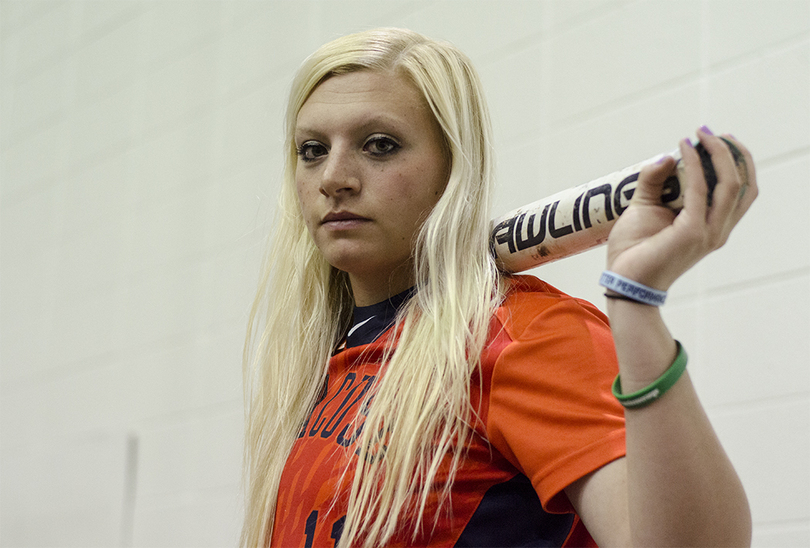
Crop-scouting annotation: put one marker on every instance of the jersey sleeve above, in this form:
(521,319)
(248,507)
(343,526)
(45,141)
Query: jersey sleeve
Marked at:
(551,412)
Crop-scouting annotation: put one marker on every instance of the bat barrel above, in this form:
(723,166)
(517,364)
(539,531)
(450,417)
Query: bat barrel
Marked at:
(580,218)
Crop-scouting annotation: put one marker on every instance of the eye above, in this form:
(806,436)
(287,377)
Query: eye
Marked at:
(310,151)
(381,145)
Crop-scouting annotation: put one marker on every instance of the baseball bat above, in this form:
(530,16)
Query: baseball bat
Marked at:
(580,218)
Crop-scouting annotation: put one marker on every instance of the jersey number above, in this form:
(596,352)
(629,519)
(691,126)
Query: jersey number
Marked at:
(312,520)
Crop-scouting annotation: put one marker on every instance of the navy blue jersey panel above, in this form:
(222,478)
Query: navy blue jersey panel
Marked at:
(510,514)
(369,322)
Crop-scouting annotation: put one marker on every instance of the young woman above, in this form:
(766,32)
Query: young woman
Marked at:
(402,391)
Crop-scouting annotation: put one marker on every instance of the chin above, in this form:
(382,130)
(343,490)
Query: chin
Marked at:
(350,263)
(363,265)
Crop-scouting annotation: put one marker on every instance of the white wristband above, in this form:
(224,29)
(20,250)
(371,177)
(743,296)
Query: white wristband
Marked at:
(634,290)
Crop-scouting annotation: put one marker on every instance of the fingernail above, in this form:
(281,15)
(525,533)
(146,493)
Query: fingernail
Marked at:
(706,130)
(688,142)
(661,160)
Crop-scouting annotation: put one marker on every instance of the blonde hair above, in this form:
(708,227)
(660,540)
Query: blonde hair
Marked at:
(304,305)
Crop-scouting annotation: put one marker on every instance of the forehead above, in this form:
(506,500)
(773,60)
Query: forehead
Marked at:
(364,94)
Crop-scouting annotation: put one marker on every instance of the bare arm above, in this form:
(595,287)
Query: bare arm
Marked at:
(676,486)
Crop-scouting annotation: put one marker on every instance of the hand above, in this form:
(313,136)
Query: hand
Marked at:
(653,245)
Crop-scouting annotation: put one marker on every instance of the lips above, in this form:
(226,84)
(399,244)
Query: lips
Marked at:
(343,219)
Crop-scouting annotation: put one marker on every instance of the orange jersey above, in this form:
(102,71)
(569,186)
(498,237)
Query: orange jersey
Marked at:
(547,419)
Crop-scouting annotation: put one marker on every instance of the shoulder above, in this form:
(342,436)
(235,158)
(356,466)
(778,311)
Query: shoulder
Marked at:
(545,339)
(529,301)
(550,411)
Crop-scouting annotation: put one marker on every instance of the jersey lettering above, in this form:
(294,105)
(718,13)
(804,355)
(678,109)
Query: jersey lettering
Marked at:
(312,523)
(367,382)
(324,425)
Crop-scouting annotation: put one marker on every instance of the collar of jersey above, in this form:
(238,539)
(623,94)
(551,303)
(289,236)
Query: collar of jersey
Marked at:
(370,322)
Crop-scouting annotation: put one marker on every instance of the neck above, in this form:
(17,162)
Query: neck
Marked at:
(373,289)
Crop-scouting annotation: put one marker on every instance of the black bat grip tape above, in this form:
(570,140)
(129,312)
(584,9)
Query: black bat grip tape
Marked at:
(708,168)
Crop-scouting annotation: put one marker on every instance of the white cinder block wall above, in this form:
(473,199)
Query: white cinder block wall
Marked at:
(140,160)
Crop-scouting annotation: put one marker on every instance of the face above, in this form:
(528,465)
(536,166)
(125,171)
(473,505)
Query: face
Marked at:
(371,166)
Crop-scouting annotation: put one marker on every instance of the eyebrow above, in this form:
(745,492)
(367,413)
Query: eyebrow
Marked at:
(365,124)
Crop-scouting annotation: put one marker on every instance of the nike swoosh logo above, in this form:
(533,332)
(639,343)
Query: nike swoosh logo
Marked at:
(356,327)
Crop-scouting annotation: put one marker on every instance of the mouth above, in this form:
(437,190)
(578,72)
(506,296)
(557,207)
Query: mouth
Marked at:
(343,219)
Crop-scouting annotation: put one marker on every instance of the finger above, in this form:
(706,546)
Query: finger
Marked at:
(650,185)
(734,203)
(729,182)
(747,168)
(696,190)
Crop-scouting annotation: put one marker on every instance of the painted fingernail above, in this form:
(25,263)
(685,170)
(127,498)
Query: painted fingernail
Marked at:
(706,130)
(688,142)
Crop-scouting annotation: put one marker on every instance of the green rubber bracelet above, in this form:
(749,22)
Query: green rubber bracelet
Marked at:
(647,395)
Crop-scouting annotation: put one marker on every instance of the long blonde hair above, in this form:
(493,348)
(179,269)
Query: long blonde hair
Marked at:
(304,305)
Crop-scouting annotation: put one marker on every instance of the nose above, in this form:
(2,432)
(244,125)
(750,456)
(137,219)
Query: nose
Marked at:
(341,174)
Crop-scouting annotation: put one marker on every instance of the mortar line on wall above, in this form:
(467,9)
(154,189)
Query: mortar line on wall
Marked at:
(547,33)
(712,293)
(130,497)
(703,98)
(757,282)
(701,77)
(190,415)
(132,353)
(184,497)
(781,524)
(747,405)
(584,18)
(794,42)
(83,40)
(24,24)
(188,50)
(666,86)
(129,426)
(783,158)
